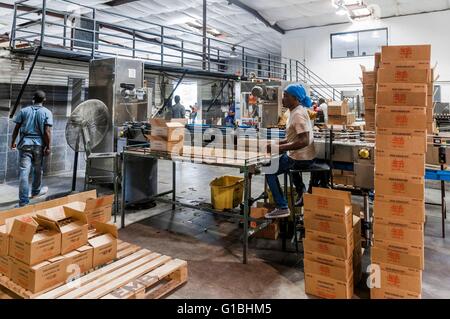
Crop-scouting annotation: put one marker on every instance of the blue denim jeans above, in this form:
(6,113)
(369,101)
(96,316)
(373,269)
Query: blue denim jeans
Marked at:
(285,164)
(30,161)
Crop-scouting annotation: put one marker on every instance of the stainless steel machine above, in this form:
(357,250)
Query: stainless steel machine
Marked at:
(351,151)
(119,83)
(268,101)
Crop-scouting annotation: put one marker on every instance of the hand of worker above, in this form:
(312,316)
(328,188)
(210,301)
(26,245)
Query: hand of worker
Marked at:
(47,151)
(13,146)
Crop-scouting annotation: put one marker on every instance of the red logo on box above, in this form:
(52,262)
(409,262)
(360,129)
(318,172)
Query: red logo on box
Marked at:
(398,141)
(399,98)
(401,120)
(398,165)
(322,202)
(406,52)
(401,76)
(398,187)
(397,233)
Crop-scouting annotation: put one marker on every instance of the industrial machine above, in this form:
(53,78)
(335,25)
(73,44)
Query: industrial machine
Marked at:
(262,101)
(119,84)
(351,151)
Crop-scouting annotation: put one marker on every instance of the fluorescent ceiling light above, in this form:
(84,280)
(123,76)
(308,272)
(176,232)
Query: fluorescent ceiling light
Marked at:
(352,2)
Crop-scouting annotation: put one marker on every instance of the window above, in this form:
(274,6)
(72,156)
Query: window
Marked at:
(358,44)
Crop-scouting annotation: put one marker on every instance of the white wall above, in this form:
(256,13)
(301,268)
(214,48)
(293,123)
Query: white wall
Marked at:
(313,46)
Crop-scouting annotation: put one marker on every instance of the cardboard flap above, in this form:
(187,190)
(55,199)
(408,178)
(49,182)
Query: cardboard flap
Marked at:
(52,214)
(106,228)
(346,196)
(93,203)
(363,68)
(10,221)
(24,229)
(48,223)
(75,214)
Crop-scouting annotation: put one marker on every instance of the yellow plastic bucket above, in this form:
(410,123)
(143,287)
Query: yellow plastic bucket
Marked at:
(227,192)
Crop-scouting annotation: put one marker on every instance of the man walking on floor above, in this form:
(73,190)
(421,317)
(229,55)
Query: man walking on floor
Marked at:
(34,123)
(298,151)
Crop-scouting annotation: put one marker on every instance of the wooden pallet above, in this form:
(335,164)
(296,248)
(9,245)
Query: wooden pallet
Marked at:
(136,274)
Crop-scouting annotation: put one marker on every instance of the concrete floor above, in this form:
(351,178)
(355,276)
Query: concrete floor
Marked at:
(211,244)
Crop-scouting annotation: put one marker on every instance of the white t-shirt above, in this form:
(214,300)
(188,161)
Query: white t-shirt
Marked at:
(324,108)
(298,123)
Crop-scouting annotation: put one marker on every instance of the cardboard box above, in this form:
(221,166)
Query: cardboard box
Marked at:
(430,102)
(400,185)
(402,94)
(388,293)
(104,244)
(397,230)
(160,145)
(258,212)
(344,218)
(369,77)
(71,223)
(79,261)
(328,200)
(96,209)
(408,65)
(403,75)
(396,253)
(82,196)
(7,214)
(348,119)
(39,277)
(168,131)
(329,271)
(272,231)
(407,209)
(403,278)
(344,264)
(369,105)
(5,266)
(328,288)
(4,241)
(337,108)
(401,140)
(388,161)
(369,90)
(406,53)
(326,248)
(332,239)
(327,226)
(32,242)
(405,117)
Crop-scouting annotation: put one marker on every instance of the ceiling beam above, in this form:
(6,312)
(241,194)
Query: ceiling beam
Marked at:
(257,15)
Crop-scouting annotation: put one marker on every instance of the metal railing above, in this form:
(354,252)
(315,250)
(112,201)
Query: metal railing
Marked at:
(81,30)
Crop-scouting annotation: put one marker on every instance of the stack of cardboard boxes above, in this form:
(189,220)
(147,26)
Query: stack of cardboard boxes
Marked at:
(167,136)
(369,81)
(399,208)
(329,246)
(41,246)
(339,113)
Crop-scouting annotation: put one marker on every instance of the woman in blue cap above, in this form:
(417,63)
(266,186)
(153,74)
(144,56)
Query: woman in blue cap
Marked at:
(297,149)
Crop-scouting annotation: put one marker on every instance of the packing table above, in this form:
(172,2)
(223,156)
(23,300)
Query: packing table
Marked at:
(249,163)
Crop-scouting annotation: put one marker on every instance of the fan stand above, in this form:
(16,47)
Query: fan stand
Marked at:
(85,136)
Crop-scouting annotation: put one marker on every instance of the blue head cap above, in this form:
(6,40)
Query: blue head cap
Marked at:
(299,92)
